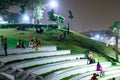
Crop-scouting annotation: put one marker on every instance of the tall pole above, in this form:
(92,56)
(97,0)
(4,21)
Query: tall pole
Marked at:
(116,46)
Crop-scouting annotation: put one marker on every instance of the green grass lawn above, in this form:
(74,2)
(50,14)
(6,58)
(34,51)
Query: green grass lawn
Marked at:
(77,43)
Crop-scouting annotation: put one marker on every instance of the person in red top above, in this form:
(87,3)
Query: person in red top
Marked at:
(94,77)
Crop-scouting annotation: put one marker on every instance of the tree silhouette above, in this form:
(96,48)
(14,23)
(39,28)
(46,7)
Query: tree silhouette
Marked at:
(70,15)
(116,31)
(54,17)
(60,19)
(36,6)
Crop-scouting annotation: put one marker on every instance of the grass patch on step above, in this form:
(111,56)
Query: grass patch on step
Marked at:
(71,76)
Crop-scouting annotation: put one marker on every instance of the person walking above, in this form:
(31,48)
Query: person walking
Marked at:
(5,46)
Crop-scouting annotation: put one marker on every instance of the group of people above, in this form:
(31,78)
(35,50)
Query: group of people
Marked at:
(3,44)
(100,69)
(90,57)
(91,60)
(20,44)
(35,44)
(32,44)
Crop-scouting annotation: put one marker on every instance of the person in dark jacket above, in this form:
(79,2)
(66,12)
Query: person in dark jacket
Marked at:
(5,46)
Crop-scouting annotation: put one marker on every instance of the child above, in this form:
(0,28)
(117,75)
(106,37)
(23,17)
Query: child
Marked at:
(31,43)
(94,77)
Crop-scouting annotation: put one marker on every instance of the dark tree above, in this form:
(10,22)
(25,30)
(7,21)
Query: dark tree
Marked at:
(51,15)
(60,19)
(54,17)
(34,5)
(116,31)
(22,11)
(70,15)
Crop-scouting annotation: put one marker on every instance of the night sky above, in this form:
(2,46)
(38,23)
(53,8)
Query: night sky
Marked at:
(90,14)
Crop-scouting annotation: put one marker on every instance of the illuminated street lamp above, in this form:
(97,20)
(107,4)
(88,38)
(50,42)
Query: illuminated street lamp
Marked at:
(53,4)
(1,19)
(25,18)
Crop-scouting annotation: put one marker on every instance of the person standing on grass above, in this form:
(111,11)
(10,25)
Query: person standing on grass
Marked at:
(22,45)
(68,27)
(1,41)
(5,46)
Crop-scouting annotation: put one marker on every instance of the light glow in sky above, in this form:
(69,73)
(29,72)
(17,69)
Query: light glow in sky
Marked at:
(25,18)
(53,4)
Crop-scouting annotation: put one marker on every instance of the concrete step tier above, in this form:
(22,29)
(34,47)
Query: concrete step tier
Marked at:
(88,75)
(54,66)
(9,58)
(75,70)
(17,74)
(28,63)
(27,50)
(7,76)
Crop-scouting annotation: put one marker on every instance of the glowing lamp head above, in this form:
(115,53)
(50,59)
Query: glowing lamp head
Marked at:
(25,19)
(53,4)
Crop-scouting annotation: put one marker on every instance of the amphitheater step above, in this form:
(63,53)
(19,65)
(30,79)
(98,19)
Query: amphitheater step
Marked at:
(8,76)
(24,77)
(112,76)
(87,76)
(9,70)
(3,68)
(31,77)
(16,72)
(32,55)
(27,50)
(47,68)
(39,78)
(21,76)
(27,63)
(67,72)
